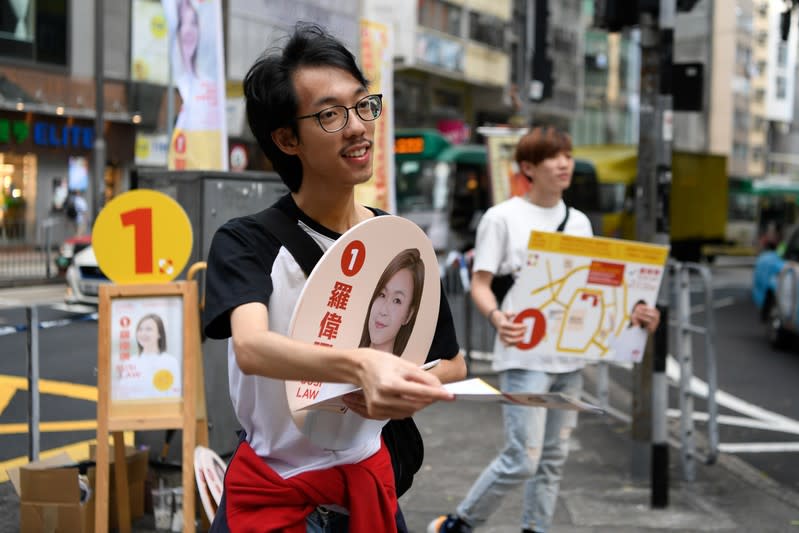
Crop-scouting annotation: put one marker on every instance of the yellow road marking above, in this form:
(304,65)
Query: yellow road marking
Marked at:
(49,427)
(6,394)
(77,452)
(48,386)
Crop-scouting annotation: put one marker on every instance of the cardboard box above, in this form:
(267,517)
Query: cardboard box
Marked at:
(137,474)
(49,493)
(50,497)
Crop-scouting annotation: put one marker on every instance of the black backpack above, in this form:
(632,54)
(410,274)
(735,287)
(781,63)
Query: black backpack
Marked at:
(402,437)
(69,207)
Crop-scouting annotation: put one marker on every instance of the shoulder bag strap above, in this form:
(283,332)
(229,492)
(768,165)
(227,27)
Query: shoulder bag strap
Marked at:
(562,225)
(299,244)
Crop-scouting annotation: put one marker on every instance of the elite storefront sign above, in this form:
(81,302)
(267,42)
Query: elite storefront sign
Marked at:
(47,134)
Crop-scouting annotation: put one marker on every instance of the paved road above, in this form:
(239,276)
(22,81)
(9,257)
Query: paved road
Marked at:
(759,404)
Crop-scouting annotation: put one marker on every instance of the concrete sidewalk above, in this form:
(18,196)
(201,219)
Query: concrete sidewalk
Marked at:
(597,492)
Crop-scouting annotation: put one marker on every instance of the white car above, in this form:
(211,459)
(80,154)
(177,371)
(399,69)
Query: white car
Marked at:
(84,278)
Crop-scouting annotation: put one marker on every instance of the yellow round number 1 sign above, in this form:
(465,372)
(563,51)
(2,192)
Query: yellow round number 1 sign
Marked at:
(142,236)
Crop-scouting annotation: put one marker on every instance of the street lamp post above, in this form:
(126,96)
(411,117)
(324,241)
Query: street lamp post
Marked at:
(98,175)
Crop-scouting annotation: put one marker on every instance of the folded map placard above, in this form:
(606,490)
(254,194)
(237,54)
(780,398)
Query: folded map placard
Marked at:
(576,295)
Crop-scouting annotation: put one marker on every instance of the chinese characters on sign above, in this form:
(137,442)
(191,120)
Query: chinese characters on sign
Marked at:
(328,329)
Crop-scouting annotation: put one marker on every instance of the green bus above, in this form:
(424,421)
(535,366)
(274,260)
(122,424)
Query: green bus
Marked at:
(445,188)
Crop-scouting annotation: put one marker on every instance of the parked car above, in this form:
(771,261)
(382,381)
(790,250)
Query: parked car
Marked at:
(775,290)
(68,249)
(84,278)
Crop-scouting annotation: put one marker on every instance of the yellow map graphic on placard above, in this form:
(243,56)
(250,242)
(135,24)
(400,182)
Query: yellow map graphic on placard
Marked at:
(577,294)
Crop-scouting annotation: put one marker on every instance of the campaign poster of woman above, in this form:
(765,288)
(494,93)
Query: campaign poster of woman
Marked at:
(392,289)
(199,138)
(146,348)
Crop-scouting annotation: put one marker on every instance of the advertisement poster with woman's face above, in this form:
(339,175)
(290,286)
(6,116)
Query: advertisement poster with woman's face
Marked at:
(366,291)
(146,348)
(200,135)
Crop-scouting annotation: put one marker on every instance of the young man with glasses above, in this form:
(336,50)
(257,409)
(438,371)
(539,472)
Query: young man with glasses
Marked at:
(309,108)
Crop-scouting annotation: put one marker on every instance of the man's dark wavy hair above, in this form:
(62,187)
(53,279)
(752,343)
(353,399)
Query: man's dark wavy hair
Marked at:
(270,96)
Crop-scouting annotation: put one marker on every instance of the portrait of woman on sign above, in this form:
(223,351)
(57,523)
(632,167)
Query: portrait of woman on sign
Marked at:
(143,367)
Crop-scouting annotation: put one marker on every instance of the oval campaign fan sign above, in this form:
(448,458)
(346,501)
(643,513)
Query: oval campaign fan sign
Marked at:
(378,286)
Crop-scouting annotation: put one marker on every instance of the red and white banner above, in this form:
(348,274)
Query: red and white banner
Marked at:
(377,58)
(199,139)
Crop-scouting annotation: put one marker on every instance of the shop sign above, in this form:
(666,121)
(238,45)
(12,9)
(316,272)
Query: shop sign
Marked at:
(52,135)
(151,149)
(13,129)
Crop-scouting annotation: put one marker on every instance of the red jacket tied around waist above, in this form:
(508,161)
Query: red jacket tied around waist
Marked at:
(259,500)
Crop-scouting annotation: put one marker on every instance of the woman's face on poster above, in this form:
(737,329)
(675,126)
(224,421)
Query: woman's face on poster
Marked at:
(189,33)
(147,335)
(391,310)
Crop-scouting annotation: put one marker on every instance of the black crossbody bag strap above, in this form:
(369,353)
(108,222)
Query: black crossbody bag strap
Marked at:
(500,285)
(562,224)
(300,245)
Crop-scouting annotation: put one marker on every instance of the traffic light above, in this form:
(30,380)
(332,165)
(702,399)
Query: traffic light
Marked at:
(785,24)
(542,68)
(615,15)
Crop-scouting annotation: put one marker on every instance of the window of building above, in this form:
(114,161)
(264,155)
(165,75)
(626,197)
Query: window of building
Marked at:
(782,53)
(34,30)
(782,87)
(441,16)
(740,151)
(17,196)
(757,154)
(486,29)
(741,120)
(444,99)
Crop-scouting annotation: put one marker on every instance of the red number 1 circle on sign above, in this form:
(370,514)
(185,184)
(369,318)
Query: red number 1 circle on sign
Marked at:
(352,258)
(536,328)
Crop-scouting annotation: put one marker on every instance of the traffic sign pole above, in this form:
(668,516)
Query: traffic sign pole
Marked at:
(649,431)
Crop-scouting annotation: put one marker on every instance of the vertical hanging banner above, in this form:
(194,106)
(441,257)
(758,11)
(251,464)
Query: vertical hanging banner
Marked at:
(378,67)
(199,139)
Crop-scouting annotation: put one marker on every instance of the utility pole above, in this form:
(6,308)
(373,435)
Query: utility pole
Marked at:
(650,392)
(98,176)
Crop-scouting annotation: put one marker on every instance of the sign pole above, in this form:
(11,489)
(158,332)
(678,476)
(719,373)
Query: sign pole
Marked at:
(98,176)
(650,389)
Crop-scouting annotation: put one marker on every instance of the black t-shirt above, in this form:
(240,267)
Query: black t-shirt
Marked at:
(246,264)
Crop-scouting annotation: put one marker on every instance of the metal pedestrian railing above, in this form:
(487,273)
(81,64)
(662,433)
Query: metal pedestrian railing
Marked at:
(30,258)
(473,331)
(683,279)
(683,330)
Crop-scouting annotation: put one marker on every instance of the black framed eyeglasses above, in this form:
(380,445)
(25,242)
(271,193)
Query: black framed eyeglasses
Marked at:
(335,118)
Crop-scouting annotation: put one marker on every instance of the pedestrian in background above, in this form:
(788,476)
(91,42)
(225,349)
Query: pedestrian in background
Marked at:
(81,209)
(536,439)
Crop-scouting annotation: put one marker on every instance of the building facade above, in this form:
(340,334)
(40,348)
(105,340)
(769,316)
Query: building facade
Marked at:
(47,111)
(611,85)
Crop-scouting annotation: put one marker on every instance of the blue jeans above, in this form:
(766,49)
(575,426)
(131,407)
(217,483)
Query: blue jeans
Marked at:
(332,522)
(536,447)
(325,521)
